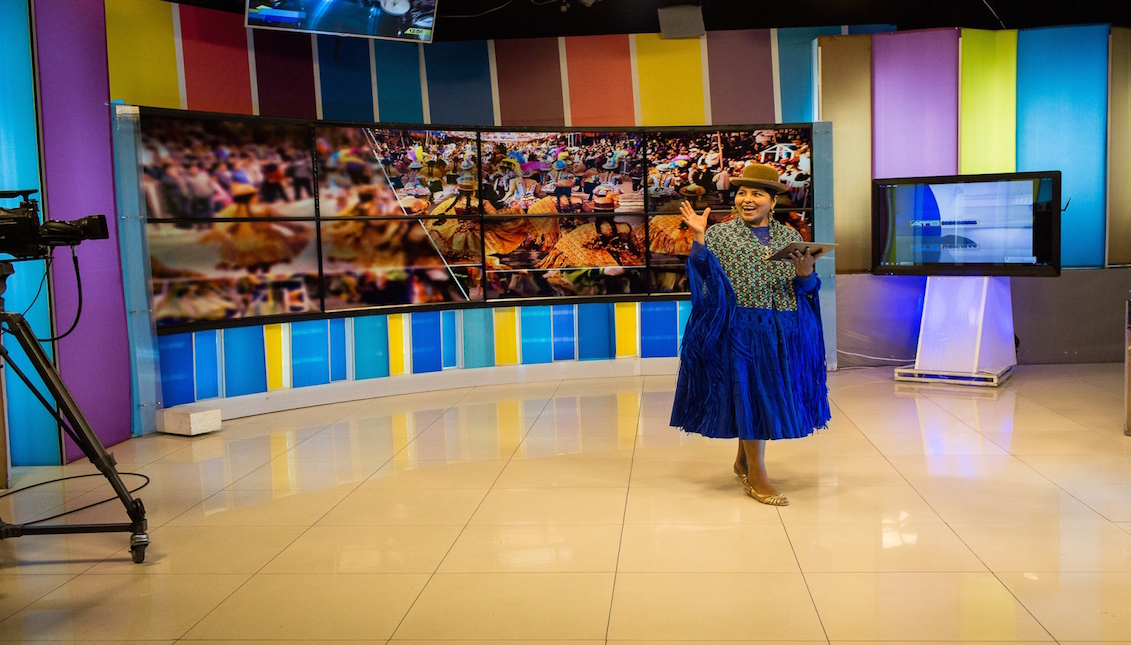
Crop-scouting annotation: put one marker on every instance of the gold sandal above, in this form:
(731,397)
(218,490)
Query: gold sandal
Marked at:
(741,476)
(772,500)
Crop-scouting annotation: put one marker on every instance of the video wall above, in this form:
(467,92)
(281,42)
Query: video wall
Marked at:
(251,218)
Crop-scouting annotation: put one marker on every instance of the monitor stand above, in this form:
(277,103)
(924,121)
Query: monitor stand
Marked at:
(966,334)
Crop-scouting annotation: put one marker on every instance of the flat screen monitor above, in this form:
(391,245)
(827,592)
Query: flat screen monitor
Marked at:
(410,20)
(996,225)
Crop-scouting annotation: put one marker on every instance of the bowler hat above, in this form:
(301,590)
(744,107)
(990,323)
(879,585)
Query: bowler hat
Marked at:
(756,175)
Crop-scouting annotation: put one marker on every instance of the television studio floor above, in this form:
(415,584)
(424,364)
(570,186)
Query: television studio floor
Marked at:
(570,512)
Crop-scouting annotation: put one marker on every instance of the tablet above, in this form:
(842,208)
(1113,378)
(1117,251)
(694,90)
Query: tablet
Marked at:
(816,248)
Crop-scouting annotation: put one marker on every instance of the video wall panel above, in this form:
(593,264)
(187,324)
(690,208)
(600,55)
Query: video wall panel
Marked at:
(254,218)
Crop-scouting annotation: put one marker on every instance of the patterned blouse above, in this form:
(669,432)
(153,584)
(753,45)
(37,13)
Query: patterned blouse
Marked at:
(756,281)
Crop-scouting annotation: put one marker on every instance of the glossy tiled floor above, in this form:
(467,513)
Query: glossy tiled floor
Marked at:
(571,512)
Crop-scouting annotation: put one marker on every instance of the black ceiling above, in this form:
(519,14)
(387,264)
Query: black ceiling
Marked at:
(483,19)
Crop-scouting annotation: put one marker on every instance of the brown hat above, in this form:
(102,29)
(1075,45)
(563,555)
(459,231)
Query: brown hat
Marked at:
(756,175)
(693,190)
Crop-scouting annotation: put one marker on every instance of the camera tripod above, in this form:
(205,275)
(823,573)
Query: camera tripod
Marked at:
(71,419)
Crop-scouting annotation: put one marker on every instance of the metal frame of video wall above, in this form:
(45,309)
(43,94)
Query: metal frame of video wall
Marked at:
(253,220)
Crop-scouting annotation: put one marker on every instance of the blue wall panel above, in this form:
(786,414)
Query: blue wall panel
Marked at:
(338,349)
(795,65)
(176,369)
(565,333)
(478,338)
(459,83)
(398,82)
(659,331)
(207,356)
(870,29)
(596,331)
(448,338)
(537,334)
(310,353)
(245,361)
(370,347)
(33,433)
(344,78)
(1062,79)
(427,353)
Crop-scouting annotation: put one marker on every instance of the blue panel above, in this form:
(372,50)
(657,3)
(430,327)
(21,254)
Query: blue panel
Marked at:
(207,364)
(448,338)
(32,432)
(565,333)
(245,361)
(427,353)
(338,349)
(370,347)
(176,369)
(478,338)
(344,78)
(1062,81)
(537,334)
(870,29)
(459,83)
(684,313)
(398,82)
(597,339)
(310,353)
(659,332)
(795,65)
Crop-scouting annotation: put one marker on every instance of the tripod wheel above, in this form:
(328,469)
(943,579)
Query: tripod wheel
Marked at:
(138,554)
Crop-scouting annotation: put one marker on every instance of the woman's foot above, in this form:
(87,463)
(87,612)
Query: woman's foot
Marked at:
(769,495)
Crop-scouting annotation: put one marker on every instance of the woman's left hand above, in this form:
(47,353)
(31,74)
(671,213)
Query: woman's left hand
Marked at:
(803,262)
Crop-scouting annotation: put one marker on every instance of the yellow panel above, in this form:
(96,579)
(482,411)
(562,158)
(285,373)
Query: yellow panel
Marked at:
(396,344)
(845,98)
(506,336)
(626,329)
(670,76)
(273,335)
(1119,149)
(283,470)
(628,418)
(987,117)
(141,54)
(511,426)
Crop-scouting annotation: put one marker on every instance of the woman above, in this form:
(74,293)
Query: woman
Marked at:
(752,365)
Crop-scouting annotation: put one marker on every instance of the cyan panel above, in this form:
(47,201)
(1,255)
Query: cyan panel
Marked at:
(310,353)
(245,361)
(1062,79)
(684,313)
(565,333)
(398,82)
(448,338)
(427,353)
(176,369)
(478,338)
(597,331)
(207,364)
(659,332)
(795,71)
(344,77)
(459,83)
(537,334)
(338,349)
(370,347)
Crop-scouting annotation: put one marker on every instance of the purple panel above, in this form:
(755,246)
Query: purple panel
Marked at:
(915,103)
(284,68)
(742,77)
(74,91)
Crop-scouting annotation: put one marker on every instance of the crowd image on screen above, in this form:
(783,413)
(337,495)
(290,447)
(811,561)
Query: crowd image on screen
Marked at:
(562,172)
(698,166)
(198,169)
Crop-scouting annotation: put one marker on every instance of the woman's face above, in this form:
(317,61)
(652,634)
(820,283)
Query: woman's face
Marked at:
(754,205)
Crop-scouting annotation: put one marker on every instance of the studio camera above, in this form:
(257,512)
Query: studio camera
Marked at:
(23,237)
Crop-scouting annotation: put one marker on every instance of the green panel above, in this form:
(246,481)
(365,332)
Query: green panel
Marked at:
(987,119)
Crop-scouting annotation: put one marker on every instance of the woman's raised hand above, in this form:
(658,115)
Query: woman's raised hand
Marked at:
(697,223)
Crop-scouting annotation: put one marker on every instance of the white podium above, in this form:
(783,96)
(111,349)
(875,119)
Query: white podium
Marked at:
(966,335)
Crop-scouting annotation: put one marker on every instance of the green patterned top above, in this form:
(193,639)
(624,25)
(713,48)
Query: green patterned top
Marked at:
(757,282)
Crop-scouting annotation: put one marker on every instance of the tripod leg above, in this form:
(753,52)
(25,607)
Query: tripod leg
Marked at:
(82,432)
